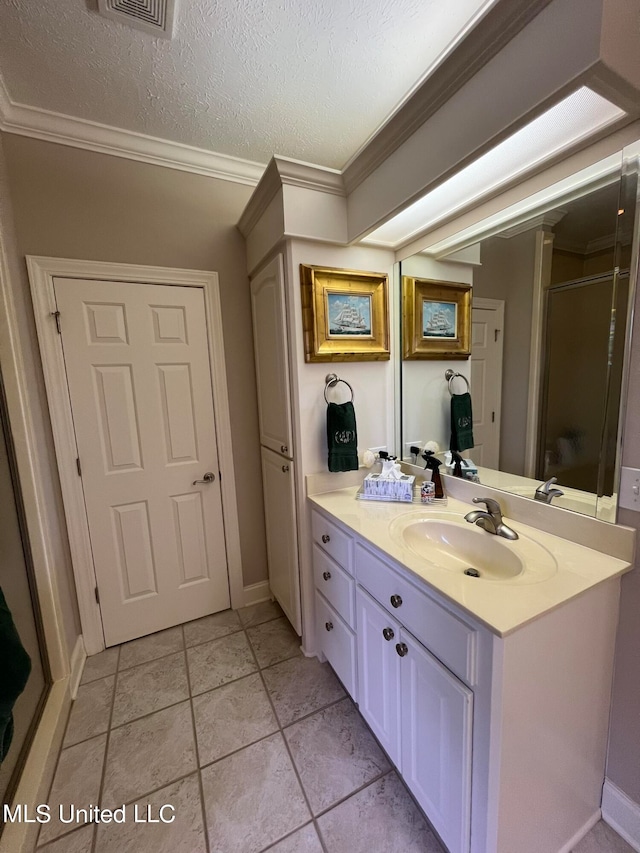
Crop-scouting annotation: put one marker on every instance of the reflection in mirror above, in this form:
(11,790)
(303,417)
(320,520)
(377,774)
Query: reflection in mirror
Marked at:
(551,295)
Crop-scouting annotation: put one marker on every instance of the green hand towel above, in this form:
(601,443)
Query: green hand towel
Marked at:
(342,437)
(15,668)
(461,422)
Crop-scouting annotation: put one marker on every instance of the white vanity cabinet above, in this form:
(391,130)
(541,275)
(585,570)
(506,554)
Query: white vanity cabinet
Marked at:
(335,598)
(500,736)
(419,710)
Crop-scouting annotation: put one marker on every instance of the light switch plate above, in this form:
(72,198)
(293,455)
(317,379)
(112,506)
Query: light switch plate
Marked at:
(629,489)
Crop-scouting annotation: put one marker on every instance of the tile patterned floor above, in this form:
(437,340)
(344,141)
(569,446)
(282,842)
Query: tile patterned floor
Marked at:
(256,747)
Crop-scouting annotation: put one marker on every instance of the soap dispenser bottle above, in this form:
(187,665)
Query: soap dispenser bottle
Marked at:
(433,464)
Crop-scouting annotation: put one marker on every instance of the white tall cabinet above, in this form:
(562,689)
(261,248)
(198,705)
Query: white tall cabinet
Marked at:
(268,305)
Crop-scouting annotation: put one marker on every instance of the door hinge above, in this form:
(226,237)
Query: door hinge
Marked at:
(493,417)
(496,333)
(56,314)
(220,476)
(97,594)
(78,467)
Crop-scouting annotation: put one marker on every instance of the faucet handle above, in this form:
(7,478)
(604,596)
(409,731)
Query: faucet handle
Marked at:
(493,507)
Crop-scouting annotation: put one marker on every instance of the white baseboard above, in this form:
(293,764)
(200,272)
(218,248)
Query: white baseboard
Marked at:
(621,813)
(78,658)
(580,834)
(257,592)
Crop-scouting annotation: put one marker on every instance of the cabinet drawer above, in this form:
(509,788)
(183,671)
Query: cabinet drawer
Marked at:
(338,642)
(335,584)
(447,637)
(332,540)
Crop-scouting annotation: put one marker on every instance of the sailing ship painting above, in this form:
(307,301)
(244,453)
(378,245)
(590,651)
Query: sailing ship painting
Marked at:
(439,319)
(349,316)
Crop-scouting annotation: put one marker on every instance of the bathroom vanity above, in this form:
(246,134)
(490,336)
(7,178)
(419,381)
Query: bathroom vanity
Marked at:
(490,694)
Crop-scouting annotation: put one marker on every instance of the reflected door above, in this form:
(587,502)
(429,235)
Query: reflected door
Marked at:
(140,386)
(486,380)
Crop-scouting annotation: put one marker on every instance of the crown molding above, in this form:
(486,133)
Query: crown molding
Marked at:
(491,34)
(599,244)
(283,171)
(103,139)
(544,221)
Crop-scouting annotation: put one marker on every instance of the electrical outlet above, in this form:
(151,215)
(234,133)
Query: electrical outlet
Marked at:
(629,497)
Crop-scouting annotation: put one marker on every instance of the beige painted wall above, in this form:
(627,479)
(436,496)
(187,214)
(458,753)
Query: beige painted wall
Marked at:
(507,273)
(77,204)
(62,589)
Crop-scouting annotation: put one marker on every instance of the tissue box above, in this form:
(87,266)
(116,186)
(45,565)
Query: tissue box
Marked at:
(469,469)
(388,488)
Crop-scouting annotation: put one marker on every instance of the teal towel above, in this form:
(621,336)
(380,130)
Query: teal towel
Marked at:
(342,437)
(461,422)
(15,668)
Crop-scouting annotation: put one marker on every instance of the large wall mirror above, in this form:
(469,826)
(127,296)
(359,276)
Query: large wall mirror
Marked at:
(552,289)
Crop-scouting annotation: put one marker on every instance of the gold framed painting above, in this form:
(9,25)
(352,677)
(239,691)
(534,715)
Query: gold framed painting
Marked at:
(344,314)
(436,319)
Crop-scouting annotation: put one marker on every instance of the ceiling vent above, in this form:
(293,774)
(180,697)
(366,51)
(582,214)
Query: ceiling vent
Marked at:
(152,16)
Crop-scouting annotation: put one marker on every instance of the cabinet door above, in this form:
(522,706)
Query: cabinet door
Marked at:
(272,366)
(282,540)
(437,712)
(379,672)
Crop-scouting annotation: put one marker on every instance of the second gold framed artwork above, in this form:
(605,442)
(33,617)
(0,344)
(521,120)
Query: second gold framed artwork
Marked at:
(436,319)
(345,314)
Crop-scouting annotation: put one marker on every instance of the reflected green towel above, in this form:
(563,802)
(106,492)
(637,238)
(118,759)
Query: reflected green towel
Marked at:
(342,437)
(461,422)
(15,668)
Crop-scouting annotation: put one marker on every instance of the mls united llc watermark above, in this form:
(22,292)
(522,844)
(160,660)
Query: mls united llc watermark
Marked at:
(43,813)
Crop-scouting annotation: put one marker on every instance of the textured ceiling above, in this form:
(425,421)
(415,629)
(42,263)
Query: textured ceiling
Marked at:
(308,79)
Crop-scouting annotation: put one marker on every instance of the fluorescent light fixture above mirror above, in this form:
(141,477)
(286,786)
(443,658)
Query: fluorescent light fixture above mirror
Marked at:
(587,180)
(577,117)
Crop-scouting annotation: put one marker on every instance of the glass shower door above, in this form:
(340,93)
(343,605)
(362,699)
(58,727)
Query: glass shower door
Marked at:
(16,582)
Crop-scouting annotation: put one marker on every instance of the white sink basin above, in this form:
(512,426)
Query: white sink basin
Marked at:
(447,541)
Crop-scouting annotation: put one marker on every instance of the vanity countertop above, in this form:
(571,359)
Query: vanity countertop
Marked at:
(502,606)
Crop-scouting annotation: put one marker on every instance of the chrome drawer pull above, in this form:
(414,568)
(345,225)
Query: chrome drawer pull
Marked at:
(395,600)
(402,649)
(328,626)
(388,634)
(326,538)
(326,575)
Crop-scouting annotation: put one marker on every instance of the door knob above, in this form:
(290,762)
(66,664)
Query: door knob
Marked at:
(326,575)
(395,600)
(402,649)
(328,626)
(285,468)
(388,634)
(209,477)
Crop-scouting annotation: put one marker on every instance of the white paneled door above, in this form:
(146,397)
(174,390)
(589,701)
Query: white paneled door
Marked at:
(137,361)
(486,380)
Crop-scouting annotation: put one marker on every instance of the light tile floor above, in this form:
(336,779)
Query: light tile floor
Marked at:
(255,746)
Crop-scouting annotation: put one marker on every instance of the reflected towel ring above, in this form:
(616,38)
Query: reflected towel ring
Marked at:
(450,375)
(331,379)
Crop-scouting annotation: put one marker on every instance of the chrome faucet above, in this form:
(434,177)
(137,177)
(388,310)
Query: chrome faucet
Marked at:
(491,520)
(545,493)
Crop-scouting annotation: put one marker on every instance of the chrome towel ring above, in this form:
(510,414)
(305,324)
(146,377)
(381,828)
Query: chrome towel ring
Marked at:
(450,375)
(331,380)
